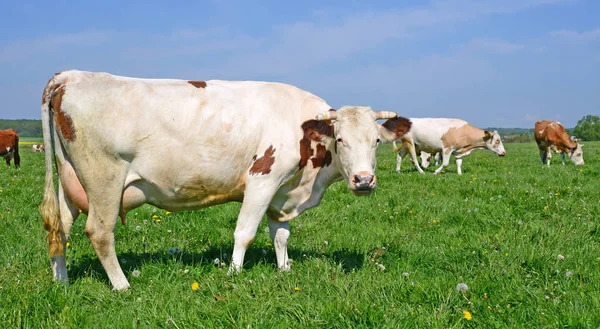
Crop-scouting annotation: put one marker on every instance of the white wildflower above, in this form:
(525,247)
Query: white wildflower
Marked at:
(217,261)
(569,274)
(138,228)
(462,287)
(560,257)
(135,273)
(381,267)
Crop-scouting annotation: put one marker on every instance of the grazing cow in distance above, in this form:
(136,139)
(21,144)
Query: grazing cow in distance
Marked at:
(9,146)
(37,148)
(450,137)
(551,135)
(425,157)
(104,131)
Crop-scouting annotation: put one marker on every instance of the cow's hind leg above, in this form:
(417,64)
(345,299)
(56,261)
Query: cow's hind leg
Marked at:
(413,157)
(104,204)
(280,232)
(562,156)
(257,196)
(68,214)
(399,158)
(548,156)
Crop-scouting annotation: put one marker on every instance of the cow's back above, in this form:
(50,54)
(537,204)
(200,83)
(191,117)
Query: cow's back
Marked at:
(427,133)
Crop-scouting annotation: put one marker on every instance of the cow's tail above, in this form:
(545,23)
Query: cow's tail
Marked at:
(49,208)
(397,149)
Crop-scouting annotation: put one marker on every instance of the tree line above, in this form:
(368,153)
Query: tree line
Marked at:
(587,128)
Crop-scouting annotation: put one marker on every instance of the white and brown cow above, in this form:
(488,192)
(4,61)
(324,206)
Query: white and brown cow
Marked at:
(272,147)
(9,146)
(551,135)
(37,148)
(448,136)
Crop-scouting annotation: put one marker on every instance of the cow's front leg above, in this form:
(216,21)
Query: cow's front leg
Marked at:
(543,156)
(459,165)
(256,201)
(280,232)
(562,156)
(445,160)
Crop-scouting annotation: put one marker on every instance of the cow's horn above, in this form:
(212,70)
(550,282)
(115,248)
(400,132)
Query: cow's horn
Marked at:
(329,115)
(385,115)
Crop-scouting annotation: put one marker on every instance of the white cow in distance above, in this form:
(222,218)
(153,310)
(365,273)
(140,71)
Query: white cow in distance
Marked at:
(271,146)
(449,137)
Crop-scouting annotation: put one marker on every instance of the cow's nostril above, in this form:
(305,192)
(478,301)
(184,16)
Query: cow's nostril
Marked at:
(356,180)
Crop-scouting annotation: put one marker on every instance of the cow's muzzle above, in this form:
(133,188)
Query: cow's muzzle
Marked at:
(363,183)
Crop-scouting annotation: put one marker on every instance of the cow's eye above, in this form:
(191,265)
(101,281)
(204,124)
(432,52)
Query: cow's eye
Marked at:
(339,140)
(378,140)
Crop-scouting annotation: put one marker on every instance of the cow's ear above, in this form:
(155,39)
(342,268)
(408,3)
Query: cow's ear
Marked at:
(486,135)
(316,130)
(394,128)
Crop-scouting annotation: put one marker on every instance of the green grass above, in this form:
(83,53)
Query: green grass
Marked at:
(499,228)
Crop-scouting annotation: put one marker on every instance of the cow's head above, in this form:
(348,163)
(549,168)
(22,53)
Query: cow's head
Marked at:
(353,135)
(425,160)
(494,142)
(576,155)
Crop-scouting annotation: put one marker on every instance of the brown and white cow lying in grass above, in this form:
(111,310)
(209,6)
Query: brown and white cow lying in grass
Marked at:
(272,147)
(448,136)
(37,148)
(551,135)
(9,146)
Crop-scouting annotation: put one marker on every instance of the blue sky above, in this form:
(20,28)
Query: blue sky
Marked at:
(494,63)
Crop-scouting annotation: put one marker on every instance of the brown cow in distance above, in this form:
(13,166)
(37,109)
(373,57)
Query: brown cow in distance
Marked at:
(552,135)
(9,146)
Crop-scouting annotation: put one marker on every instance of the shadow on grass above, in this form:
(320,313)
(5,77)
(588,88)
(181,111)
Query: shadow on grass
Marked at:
(90,265)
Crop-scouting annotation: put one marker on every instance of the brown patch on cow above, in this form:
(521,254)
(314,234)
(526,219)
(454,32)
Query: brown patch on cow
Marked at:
(322,158)
(398,125)
(313,131)
(47,89)
(62,120)
(463,138)
(305,151)
(198,84)
(550,133)
(263,164)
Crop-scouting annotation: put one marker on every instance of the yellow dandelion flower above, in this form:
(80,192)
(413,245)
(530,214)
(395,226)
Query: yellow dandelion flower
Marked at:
(467,315)
(545,207)
(68,244)
(157,220)
(297,289)
(506,255)
(195,286)
(155,216)
(167,212)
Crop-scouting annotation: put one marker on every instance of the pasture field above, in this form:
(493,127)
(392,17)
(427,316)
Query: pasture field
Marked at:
(523,237)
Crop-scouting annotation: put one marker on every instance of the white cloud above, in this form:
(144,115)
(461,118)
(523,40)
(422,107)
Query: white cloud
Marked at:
(591,35)
(20,50)
(496,46)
